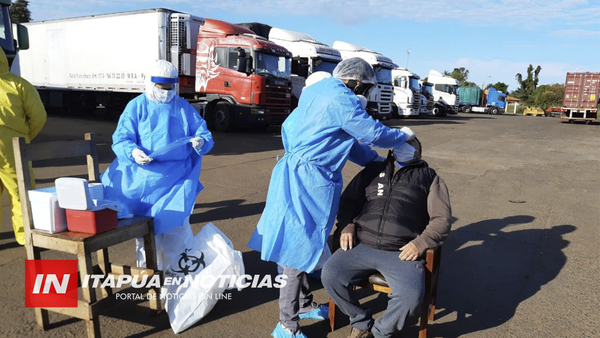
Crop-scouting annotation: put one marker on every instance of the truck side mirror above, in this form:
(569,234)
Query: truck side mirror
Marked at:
(22,37)
(248,65)
(241,65)
(244,62)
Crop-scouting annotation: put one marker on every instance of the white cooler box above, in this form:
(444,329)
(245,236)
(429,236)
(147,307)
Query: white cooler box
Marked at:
(47,215)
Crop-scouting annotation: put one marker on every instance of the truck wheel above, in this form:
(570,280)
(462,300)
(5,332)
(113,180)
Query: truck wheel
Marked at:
(494,110)
(395,114)
(221,116)
(441,112)
(466,109)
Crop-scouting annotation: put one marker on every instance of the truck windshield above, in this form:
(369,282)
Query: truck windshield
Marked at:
(450,89)
(427,90)
(320,65)
(384,75)
(275,65)
(414,84)
(6,39)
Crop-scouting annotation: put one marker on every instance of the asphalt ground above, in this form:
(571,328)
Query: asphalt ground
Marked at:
(521,260)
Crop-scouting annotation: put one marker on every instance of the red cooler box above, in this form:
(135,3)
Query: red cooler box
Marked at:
(91,222)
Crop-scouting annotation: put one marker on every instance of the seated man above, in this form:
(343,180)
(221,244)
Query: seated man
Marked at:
(389,215)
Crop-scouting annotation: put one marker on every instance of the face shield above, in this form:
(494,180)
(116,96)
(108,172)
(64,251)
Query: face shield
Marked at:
(162,82)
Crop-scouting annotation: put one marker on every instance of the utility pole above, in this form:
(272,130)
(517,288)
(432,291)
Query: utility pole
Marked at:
(483,83)
(407,55)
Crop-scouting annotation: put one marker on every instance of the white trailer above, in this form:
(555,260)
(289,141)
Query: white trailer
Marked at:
(407,93)
(308,56)
(445,92)
(380,101)
(79,63)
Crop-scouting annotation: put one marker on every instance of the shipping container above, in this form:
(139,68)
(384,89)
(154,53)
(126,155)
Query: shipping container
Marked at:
(581,97)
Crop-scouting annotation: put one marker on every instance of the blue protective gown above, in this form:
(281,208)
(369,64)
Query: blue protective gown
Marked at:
(167,187)
(318,137)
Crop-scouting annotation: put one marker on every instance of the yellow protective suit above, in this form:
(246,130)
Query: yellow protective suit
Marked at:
(21,115)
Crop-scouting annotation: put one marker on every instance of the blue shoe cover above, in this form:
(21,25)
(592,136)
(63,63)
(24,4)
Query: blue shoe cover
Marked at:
(280,332)
(320,313)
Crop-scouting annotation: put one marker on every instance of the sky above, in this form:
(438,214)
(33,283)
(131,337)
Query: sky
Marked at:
(493,39)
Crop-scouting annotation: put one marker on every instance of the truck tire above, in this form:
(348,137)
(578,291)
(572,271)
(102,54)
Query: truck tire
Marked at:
(395,114)
(221,116)
(494,110)
(441,112)
(466,109)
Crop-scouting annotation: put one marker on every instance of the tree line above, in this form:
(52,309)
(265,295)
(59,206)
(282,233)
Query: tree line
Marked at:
(528,92)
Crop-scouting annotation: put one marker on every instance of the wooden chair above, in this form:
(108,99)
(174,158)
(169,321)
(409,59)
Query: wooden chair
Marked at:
(376,282)
(81,244)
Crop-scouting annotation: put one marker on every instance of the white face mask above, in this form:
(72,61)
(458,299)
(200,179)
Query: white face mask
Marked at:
(404,153)
(163,95)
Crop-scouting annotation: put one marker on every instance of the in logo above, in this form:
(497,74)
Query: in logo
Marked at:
(51,283)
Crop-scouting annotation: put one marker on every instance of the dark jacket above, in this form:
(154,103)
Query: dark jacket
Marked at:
(389,207)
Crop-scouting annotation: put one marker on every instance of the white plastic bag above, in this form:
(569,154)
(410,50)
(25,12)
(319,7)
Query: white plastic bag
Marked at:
(205,258)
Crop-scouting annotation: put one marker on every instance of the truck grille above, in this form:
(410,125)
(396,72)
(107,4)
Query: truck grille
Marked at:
(416,104)
(386,93)
(277,96)
(455,108)
(384,108)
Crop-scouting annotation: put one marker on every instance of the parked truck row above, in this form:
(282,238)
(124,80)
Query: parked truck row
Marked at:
(247,74)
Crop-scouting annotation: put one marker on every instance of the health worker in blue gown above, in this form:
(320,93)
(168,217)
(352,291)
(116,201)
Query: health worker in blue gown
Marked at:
(166,185)
(329,127)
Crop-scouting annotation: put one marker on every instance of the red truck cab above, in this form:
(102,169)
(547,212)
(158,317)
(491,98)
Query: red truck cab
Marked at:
(242,78)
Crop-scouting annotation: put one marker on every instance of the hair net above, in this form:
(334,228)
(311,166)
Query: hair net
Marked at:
(355,69)
(162,72)
(316,77)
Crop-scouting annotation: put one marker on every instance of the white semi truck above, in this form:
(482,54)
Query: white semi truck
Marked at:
(379,102)
(407,93)
(427,104)
(445,92)
(308,55)
(79,63)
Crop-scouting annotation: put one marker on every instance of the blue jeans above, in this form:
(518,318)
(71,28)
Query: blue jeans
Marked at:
(405,278)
